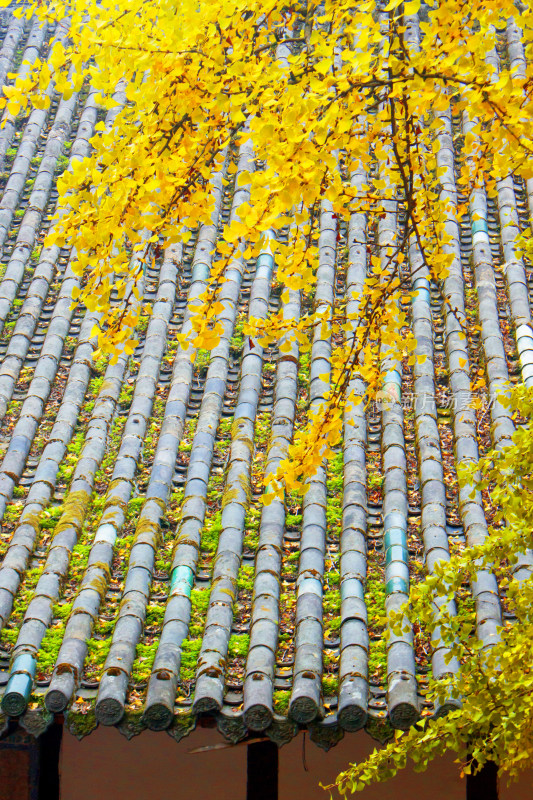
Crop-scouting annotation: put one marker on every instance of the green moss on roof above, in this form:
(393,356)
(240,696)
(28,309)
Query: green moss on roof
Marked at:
(90,385)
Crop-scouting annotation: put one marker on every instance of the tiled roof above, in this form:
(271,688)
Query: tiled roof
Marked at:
(142,582)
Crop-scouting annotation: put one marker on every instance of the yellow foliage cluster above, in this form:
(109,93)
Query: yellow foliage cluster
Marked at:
(320,91)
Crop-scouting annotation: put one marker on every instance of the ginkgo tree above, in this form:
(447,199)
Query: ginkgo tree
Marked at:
(354,89)
(489,701)
(321,92)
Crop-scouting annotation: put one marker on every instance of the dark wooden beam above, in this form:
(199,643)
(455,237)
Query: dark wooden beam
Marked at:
(484,784)
(262,775)
(49,751)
